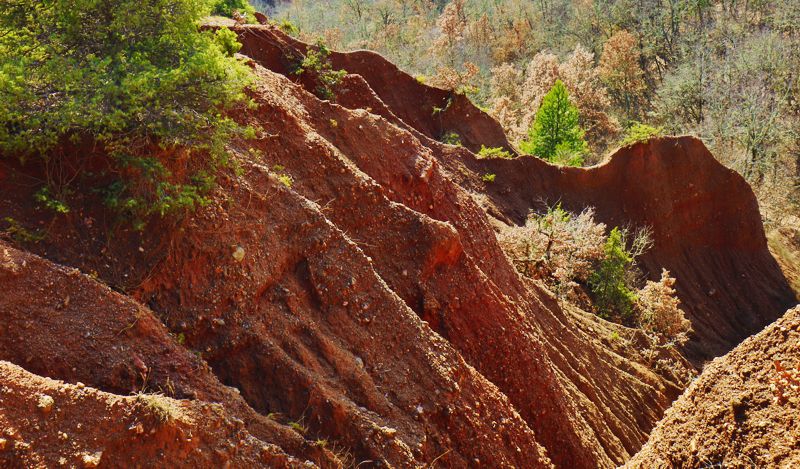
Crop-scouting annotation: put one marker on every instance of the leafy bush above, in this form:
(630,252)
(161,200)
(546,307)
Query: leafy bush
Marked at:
(228,41)
(570,252)
(228,7)
(451,138)
(46,199)
(557,247)
(494,152)
(567,156)
(488,177)
(639,132)
(317,63)
(288,27)
(137,78)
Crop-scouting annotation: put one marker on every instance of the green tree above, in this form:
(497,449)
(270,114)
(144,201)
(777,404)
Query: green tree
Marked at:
(137,78)
(555,134)
(607,283)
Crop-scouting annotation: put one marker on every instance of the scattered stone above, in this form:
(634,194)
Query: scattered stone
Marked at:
(45,403)
(238,254)
(92,460)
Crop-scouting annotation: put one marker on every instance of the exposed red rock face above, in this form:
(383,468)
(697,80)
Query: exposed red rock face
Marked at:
(706,223)
(741,412)
(369,304)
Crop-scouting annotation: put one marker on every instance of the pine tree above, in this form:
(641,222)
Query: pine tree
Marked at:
(611,293)
(555,134)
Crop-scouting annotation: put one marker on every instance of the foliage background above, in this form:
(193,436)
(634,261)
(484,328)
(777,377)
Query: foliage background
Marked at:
(724,70)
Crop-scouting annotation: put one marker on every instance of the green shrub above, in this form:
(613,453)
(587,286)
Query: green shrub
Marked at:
(451,138)
(317,63)
(228,41)
(488,177)
(608,282)
(495,152)
(639,132)
(567,156)
(288,27)
(21,234)
(139,79)
(558,247)
(228,7)
(47,200)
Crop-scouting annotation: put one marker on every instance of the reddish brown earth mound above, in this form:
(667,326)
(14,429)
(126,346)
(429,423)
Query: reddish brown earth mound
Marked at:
(63,324)
(369,305)
(47,423)
(742,411)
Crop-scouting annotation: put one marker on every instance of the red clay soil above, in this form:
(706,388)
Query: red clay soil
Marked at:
(430,244)
(369,305)
(743,410)
(47,423)
(707,226)
(63,324)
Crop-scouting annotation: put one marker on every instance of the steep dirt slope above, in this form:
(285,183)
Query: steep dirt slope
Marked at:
(784,243)
(401,98)
(47,423)
(707,226)
(741,412)
(321,322)
(62,324)
(364,300)
(431,244)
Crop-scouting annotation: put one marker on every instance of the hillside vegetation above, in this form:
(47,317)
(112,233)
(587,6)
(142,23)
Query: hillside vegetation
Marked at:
(724,71)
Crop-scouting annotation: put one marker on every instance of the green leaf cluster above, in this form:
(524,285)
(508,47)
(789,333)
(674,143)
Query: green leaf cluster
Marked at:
(556,134)
(494,152)
(639,132)
(451,138)
(134,76)
(317,63)
(228,7)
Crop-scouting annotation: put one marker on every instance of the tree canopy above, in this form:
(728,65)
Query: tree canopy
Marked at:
(125,73)
(556,134)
